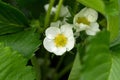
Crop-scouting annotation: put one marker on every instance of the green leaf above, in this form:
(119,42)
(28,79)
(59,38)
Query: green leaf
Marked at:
(97,62)
(75,72)
(115,52)
(111,7)
(113,26)
(34,7)
(13,65)
(26,42)
(95,4)
(115,45)
(11,19)
(115,68)
(113,22)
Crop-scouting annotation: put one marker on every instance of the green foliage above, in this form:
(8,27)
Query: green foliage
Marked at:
(112,18)
(75,72)
(115,51)
(97,57)
(113,26)
(12,65)
(111,7)
(11,19)
(115,68)
(97,61)
(26,42)
(95,4)
(33,7)
(115,45)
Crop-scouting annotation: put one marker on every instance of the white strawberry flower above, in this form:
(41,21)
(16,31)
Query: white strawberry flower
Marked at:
(59,40)
(52,10)
(86,20)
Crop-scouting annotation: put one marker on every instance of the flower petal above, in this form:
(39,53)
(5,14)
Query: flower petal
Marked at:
(92,15)
(64,11)
(90,32)
(83,11)
(49,45)
(94,28)
(66,29)
(89,13)
(76,17)
(56,24)
(82,27)
(51,32)
(60,51)
(70,44)
(46,7)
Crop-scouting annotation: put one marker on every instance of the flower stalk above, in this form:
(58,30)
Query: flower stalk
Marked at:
(58,10)
(47,18)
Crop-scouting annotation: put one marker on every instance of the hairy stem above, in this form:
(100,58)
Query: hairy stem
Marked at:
(58,10)
(47,18)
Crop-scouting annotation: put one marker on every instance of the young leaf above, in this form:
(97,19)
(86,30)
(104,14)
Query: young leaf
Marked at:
(13,65)
(97,62)
(26,42)
(11,19)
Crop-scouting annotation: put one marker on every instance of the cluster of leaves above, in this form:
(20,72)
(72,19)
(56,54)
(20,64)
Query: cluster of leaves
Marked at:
(18,42)
(102,53)
(97,58)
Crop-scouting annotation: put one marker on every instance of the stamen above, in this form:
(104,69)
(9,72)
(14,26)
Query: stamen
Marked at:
(60,40)
(83,20)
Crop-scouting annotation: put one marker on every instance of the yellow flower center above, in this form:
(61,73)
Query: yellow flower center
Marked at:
(83,20)
(60,40)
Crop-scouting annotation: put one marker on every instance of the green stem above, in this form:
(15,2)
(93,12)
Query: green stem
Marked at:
(36,67)
(47,18)
(107,23)
(58,10)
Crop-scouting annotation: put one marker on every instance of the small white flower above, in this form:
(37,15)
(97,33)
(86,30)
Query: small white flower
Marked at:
(86,20)
(59,40)
(52,10)
(63,12)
